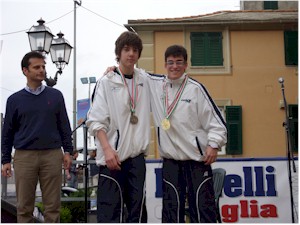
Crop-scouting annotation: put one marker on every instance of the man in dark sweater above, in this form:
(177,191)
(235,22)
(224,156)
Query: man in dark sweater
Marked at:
(37,126)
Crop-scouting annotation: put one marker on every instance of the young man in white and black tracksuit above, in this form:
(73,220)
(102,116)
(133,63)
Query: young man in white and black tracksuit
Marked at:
(190,130)
(120,120)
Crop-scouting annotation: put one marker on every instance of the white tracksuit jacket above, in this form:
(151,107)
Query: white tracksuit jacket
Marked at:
(195,123)
(110,111)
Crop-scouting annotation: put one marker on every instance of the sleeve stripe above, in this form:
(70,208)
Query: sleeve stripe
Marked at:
(201,86)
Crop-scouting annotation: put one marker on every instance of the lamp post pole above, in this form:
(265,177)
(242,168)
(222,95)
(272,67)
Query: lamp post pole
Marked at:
(78,2)
(89,81)
(74,78)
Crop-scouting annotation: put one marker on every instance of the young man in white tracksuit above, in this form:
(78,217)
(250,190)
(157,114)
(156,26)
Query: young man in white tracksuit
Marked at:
(120,120)
(190,131)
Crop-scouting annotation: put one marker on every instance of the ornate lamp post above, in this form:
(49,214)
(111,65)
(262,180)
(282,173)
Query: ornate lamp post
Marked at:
(60,52)
(41,39)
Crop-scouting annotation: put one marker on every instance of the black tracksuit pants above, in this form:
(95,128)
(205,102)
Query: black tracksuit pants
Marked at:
(117,188)
(191,178)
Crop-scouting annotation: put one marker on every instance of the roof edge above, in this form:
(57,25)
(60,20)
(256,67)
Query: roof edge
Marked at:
(160,20)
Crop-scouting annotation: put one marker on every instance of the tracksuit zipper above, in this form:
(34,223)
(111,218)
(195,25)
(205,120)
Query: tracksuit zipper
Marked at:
(158,135)
(198,145)
(117,141)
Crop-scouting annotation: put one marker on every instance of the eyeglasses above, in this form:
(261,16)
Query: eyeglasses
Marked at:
(178,63)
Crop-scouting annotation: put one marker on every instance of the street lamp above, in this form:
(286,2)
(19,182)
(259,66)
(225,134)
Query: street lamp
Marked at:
(60,52)
(41,39)
(88,80)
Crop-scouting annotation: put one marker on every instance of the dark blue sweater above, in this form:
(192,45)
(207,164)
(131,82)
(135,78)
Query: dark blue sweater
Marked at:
(35,122)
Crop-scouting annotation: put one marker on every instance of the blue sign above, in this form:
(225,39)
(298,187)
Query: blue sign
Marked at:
(83,106)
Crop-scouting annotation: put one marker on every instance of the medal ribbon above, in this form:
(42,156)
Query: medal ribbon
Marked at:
(169,109)
(134,91)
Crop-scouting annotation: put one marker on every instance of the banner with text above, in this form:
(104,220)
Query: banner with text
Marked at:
(255,191)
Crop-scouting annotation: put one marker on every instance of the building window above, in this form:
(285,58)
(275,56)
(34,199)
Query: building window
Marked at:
(291,47)
(222,104)
(209,51)
(270,5)
(206,49)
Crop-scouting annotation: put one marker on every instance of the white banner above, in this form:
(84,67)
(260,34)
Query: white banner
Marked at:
(255,191)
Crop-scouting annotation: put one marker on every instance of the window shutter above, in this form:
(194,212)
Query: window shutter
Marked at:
(234,128)
(198,49)
(215,49)
(270,5)
(206,49)
(291,47)
(293,126)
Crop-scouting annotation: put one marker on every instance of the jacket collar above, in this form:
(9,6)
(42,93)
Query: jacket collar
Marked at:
(115,76)
(177,81)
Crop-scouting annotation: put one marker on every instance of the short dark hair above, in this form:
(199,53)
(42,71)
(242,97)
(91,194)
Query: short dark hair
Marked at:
(176,50)
(128,38)
(33,54)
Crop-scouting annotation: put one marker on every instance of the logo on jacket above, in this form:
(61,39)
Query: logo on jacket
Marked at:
(186,100)
(115,88)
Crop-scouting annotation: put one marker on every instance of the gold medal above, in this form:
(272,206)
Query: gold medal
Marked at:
(165,124)
(134,119)
(169,109)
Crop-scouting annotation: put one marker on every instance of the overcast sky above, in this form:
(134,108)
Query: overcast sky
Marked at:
(99,23)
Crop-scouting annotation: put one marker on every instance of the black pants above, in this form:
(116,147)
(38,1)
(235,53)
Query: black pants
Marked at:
(117,188)
(194,178)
